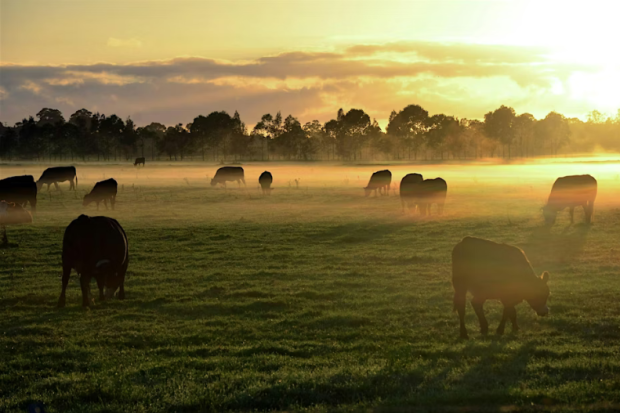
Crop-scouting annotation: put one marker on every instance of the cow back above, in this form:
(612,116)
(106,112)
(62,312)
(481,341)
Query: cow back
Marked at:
(89,240)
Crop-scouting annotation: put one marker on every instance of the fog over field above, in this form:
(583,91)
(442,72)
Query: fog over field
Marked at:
(166,191)
(315,298)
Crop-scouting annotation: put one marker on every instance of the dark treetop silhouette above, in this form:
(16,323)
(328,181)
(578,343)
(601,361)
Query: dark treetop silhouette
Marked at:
(410,134)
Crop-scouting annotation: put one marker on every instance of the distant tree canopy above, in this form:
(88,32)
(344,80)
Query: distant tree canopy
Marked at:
(352,136)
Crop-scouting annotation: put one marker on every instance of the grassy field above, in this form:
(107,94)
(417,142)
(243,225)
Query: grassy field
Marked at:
(313,299)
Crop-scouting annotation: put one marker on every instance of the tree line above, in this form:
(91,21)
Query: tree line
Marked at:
(411,134)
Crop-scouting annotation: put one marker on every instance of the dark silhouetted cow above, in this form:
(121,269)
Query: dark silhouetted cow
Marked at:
(139,161)
(432,191)
(95,247)
(12,214)
(492,271)
(379,180)
(20,190)
(102,191)
(228,173)
(58,174)
(409,189)
(571,191)
(265,179)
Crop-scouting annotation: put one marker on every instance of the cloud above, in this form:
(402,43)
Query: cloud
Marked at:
(126,43)
(465,80)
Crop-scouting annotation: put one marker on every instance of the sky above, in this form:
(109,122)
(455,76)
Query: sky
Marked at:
(169,61)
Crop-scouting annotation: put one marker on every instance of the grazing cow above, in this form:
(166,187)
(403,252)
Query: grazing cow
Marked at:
(58,174)
(139,161)
(265,179)
(102,191)
(228,173)
(432,191)
(12,214)
(20,190)
(95,247)
(409,188)
(378,181)
(491,271)
(571,191)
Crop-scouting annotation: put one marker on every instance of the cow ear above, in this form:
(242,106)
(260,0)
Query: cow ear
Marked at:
(545,277)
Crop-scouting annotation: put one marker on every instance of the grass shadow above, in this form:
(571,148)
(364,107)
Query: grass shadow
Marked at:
(548,248)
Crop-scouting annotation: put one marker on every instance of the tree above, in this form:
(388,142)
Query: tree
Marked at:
(499,125)
(443,131)
(350,132)
(266,130)
(524,133)
(49,116)
(110,132)
(8,143)
(409,126)
(553,131)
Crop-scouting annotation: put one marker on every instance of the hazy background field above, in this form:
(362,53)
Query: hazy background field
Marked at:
(314,298)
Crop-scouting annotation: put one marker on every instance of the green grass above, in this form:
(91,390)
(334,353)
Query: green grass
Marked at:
(313,299)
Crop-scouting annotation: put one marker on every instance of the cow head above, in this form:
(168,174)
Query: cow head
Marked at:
(111,280)
(87,200)
(549,213)
(4,208)
(541,294)
(213,182)
(367,191)
(39,185)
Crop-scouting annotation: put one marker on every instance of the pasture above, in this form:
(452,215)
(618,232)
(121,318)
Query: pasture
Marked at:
(313,299)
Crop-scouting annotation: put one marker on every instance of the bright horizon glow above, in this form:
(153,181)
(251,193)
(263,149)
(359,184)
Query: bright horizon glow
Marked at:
(574,40)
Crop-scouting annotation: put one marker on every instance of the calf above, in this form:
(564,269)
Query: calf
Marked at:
(19,190)
(139,161)
(102,191)
(228,173)
(409,190)
(571,191)
(491,271)
(95,247)
(379,180)
(265,179)
(58,174)
(432,191)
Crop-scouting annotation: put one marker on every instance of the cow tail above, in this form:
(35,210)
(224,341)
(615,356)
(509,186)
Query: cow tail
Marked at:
(75,181)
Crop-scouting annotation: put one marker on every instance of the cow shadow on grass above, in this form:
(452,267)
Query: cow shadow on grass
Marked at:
(548,248)
(434,381)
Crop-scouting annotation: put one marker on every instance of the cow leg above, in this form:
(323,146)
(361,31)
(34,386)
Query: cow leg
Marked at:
(105,202)
(477,304)
(5,239)
(440,208)
(100,285)
(57,187)
(588,209)
(459,305)
(571,212)
(97,205)
(85,285)
(121,273)
(66,272)
(502,324)
(513,318)
(112,202)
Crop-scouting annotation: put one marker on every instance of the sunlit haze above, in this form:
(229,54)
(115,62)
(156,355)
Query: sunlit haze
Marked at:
(169,61)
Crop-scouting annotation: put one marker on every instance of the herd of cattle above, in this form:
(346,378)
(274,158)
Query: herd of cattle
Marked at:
(97,247)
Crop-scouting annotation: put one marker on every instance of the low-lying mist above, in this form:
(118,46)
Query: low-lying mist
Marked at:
(165,192)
